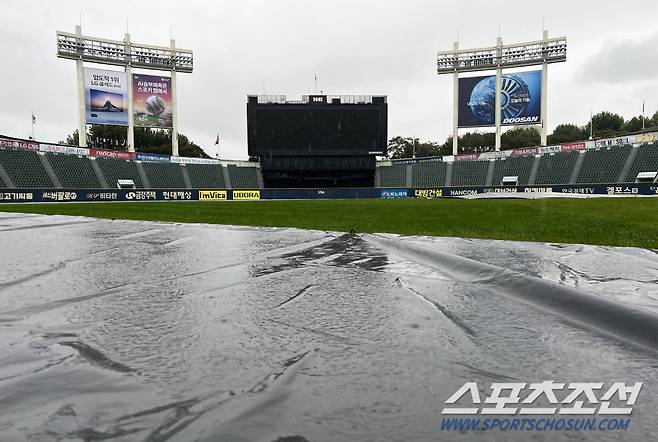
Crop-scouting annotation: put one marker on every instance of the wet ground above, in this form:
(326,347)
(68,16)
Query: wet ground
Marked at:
(141,331)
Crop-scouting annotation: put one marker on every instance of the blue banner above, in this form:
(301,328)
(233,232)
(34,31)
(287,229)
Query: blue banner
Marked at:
(314,194)
(394,193)
(102,195)
(520,100)
(152,157)
(582,189)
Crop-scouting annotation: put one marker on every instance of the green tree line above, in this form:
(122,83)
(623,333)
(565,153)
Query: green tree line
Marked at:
(147,140)
(605,125)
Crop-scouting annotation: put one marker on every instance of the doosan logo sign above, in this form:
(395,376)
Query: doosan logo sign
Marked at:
(533,119)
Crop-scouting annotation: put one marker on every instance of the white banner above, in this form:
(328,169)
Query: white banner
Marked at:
(63,149)
(549,149)
(495,154)
(615,141)
(186,160)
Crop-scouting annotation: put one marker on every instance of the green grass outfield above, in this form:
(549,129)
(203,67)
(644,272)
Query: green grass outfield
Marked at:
(605,221)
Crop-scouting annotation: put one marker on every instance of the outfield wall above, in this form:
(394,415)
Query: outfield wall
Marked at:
(130,195)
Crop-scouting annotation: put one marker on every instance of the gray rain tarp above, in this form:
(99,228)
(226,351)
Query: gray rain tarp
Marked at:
(126,330)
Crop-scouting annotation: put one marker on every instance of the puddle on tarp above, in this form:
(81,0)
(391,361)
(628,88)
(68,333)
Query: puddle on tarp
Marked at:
(133,331)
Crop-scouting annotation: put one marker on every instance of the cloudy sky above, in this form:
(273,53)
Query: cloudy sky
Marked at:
(354,46)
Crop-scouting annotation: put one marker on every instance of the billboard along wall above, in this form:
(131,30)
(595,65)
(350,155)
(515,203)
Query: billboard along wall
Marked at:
(520,100)
(106,97)
(152,101)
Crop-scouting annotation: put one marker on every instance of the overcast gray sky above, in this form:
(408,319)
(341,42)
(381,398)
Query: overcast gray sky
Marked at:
(354,46)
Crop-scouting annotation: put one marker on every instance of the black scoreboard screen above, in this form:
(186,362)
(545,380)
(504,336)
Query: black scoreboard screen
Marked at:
(317,128)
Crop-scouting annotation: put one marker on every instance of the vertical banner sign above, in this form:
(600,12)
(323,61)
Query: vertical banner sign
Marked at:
(520,100)
(152,101)
(106,97)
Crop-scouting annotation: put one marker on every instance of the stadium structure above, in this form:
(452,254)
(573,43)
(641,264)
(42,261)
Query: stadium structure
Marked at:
(34,171)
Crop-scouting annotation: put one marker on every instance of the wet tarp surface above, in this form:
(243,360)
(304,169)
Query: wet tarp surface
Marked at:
(132,331)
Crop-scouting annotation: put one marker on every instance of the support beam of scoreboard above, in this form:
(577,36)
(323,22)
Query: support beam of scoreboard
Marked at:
(455,104)
(533,53)
(130,55)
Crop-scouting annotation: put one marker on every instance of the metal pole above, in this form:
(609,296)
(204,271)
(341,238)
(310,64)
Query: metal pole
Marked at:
(32,121)
(591,125)
(499,75)
(544,94)
(131,116)
(82,112)
(174,112)
(455,105)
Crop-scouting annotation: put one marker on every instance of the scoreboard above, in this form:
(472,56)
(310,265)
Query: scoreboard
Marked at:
(317,125)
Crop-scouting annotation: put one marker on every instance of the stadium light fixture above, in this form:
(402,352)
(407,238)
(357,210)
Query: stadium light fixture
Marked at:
(82,48)
(123,53)
(532,53)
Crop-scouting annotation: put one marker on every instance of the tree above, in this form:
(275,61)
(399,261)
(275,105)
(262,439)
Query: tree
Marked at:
(470,142)
(520,137)
(146,140)
(403,147)
(71,140)
(653,121)
(633,125)
(477,141)
(607,124)
(566,133)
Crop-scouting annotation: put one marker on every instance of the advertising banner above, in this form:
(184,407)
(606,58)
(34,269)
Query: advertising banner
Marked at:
(118,154)
(394,193)
(190,160)
(646,137)
(58,148)
(428,193)
(315,194)
(152,157)
(246,194)
(152,101)
(615,141)
(520,100)
(18,144)
(467,157)
(212,195)
(549,149)
(64,195)
(525,151)
(572,146)
(106,97)
(495,154)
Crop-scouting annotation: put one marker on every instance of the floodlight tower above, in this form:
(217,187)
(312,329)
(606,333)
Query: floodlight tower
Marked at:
(129,55)
(499,57)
